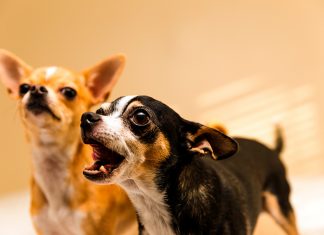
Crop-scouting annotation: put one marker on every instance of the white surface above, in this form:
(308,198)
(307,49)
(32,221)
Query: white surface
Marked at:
(308,200)
(14,215)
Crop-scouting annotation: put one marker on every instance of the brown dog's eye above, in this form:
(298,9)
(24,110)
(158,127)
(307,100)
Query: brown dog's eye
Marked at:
(23,89)
(140,118)
(68,92)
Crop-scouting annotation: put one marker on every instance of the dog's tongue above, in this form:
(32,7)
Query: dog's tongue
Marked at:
(95,166)
(105,160)
(104,155)
(99,152)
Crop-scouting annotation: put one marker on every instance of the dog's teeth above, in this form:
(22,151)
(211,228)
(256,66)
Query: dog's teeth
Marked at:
(103,169)
(93,172)
(94,167)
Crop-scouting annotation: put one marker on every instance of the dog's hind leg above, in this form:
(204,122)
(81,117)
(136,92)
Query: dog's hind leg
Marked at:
(276,203)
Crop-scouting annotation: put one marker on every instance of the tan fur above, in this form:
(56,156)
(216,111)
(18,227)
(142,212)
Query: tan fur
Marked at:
(154,154)
(157,152)
(273,208)
(58,188)
(218,126)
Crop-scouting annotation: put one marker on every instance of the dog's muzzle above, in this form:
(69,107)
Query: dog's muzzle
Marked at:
(37,102)
(38,91)
(37,98)
(89,119)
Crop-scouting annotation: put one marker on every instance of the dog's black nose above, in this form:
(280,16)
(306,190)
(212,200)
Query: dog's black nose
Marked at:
(38,91)
(88,119)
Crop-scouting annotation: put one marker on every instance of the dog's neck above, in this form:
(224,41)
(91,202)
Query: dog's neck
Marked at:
(151,206)
(52,157)
(161,205)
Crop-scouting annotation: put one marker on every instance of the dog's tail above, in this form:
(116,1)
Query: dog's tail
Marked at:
(279,144)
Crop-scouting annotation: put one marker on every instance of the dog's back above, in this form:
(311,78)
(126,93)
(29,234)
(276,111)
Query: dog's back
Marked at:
(238,188)
(259,178)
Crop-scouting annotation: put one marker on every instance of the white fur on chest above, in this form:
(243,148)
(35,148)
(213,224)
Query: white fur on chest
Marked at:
(51,170)
(61,221)
(52,175)
(151,208)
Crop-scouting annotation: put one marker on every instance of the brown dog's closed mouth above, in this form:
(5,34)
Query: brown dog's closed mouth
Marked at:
(38,108)
(105,162)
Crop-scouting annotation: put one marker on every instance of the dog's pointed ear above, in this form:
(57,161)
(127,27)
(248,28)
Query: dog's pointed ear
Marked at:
(210,142)
(101,78)
(12,69)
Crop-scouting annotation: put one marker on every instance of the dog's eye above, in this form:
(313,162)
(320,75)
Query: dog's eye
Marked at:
(140,118)
(69,92)
(23,89)
(100,111)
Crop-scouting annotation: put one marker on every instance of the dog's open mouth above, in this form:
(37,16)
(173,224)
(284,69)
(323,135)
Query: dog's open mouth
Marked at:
(38,108)
(105,162)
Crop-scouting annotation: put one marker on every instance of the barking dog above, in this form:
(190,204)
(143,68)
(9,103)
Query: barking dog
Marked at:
(183,177)
(51,101)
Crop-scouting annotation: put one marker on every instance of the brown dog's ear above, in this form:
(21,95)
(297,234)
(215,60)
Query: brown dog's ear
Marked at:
(208,141)
(12,69)
(101,78)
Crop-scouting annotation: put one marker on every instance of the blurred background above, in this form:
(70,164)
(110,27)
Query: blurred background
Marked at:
(246,64)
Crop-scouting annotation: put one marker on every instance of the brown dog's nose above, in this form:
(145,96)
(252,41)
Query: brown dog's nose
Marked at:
(88,119)
(38,91)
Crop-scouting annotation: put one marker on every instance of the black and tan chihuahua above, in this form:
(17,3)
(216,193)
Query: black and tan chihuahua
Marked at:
(181,176)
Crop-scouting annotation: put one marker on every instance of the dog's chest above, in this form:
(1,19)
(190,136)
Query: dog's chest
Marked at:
(50,173)
(52,177)
(152,210)
(62,221)
(155,218)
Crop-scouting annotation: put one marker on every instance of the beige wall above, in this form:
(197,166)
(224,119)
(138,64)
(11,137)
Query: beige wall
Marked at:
(248,64)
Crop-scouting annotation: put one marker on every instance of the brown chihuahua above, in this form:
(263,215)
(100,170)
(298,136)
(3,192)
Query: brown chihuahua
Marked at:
(51,101)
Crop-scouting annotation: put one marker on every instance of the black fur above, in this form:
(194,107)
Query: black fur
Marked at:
(234,190)
(209,186)
(215,197)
